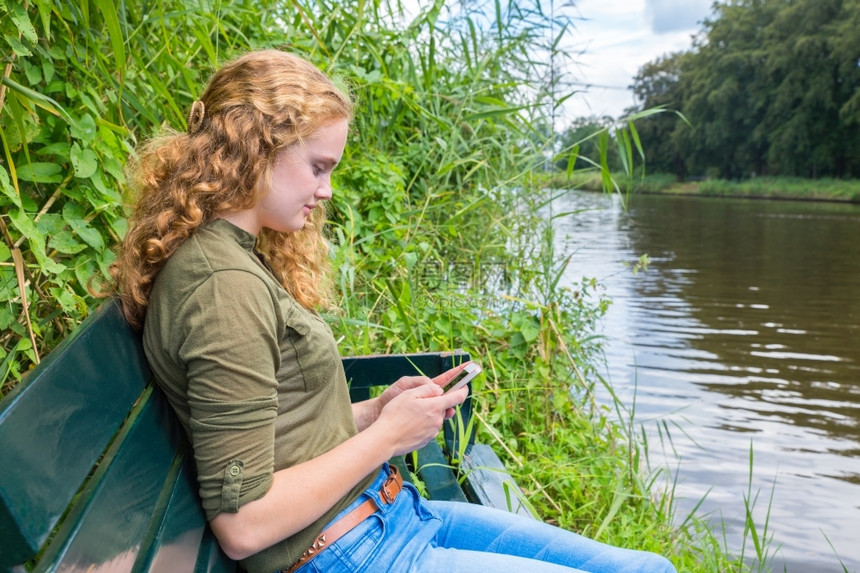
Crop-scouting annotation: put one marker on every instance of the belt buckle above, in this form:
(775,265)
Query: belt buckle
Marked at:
(389,491)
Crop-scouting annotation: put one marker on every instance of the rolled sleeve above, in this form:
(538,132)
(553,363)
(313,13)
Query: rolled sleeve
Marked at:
(231,356)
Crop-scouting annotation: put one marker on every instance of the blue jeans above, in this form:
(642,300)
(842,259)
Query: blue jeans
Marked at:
(417,535)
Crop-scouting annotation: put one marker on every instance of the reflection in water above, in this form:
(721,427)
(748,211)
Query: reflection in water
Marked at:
(743,331)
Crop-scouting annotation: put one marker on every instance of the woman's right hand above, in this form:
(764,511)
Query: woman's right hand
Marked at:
(415,416)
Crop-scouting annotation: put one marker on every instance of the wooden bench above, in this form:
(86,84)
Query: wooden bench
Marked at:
(98,474)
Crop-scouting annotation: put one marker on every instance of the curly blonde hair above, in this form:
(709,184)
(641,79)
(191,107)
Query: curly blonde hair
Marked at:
(253,107)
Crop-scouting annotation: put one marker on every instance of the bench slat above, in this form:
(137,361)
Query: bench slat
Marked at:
(211,558)
(54,426)
(437,475)
(175,545)
(402,467)
(365,372)
(125,499)
(488,482)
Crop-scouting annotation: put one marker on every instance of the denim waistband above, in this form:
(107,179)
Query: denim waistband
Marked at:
(372,491)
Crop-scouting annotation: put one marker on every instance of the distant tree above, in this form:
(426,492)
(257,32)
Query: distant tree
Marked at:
(802,121)
(845,41)
(719,81)
(584,132)
(770,87)
(658,85)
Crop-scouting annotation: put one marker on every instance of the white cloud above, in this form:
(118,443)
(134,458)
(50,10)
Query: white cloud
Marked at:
(614,39)
(676,15)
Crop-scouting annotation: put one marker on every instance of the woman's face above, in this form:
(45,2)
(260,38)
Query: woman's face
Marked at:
(301,178)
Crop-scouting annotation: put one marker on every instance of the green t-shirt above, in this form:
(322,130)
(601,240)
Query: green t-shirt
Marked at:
(255,378)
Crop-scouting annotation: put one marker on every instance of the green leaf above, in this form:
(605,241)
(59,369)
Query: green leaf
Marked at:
(108,10)
(119,225)
(206,42)
(50,224)
(22,22)
(74,216)
(113,167)
(530,331)
(36,239)
(85,269)
(45,8)
(33,73)
(40,100)
(571,159)
(17,47)
(410,259)
(107,194)
(495,113)
(104,260)
(48,69)
(40,172)
(6,318)
(66,299)
(27,227)
(66,242)
(83,128)
(60,148)
(84,161)
(7,189)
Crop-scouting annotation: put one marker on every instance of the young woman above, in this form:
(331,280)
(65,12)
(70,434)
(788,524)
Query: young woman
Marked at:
(222,268)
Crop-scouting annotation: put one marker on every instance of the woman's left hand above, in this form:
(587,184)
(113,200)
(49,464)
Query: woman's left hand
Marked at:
(367,412)
(403,384)
(408,382)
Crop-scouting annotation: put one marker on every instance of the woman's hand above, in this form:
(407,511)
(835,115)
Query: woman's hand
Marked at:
(403,384)
(367,412)
(414,416)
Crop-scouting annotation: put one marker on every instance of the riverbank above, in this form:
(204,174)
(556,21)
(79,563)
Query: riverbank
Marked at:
(785,188)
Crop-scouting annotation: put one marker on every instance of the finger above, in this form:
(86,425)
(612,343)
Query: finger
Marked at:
(448,375)
(408,382)
(425,391)
(451,399)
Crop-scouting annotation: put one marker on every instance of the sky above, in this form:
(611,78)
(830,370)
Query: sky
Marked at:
(614,38)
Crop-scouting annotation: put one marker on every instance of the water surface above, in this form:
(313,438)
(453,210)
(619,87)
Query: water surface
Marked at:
(743,333)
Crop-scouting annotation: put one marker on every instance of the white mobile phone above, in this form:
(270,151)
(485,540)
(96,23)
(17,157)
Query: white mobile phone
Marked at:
(463,376)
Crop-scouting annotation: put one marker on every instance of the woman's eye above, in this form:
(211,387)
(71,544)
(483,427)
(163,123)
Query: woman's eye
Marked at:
(318,170)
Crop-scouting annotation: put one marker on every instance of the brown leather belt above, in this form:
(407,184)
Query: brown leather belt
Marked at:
(388,491)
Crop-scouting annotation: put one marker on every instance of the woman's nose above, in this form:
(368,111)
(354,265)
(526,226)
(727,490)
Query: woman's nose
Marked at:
(324,191)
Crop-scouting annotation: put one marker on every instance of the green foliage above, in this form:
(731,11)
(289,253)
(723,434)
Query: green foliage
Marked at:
(770,88)
(583,134)
(824,189)
(442,108)
(658,85)
(83,82)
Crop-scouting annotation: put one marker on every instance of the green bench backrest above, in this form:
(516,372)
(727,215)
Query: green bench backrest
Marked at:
(89,443)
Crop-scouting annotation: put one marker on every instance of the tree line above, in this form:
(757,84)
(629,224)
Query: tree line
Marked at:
(769,87)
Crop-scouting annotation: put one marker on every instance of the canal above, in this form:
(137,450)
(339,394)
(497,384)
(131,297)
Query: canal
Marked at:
(742,335)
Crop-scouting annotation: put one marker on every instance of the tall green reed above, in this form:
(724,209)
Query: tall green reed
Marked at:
(83,83)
